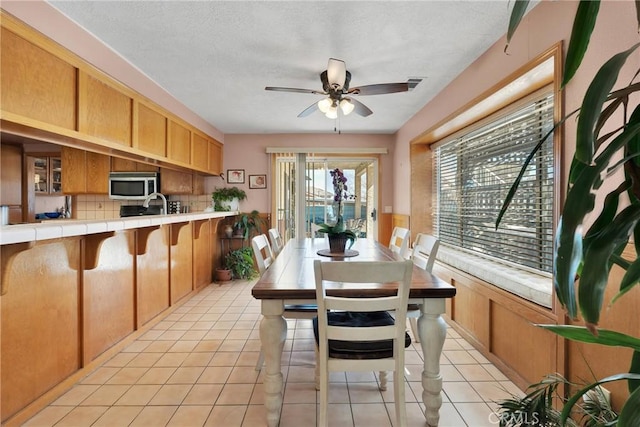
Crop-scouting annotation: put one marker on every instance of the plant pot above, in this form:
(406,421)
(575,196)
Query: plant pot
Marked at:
(337,243)
(231,205)
(223,275)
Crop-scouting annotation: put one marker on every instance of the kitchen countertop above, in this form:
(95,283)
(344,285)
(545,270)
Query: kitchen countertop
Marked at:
(58,228)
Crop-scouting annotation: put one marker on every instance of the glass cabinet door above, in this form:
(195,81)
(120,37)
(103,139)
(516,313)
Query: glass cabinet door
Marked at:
(56,174)
(41,177)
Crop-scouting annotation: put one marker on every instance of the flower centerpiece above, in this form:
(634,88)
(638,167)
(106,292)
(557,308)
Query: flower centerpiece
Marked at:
(338,233)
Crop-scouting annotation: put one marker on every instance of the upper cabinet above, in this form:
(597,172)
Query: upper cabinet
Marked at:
(47,175)
(47,90)
(104,112)
(84,172)
(149,130)
(36,83)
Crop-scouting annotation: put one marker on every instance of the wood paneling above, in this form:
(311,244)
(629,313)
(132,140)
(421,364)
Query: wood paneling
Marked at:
(202,259)
(35,83)
(153,276)
(529,350)
(200,152)
(109,296)
(181,261)
(103,111)
(40,322)
(179,145)
(470,310)
(421,190)
(150,130)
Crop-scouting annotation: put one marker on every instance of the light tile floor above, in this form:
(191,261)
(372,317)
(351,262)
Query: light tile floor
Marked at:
(196,367)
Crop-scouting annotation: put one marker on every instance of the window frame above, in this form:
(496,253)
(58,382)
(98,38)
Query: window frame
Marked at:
(517,85)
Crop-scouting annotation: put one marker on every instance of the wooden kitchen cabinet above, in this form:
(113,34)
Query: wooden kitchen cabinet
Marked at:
(47,175)
(200,152)
(103,111)
(150,130)
(36,84)
(175,182)
(125,165)
(11,181)
(85,172)
(215,158)
(179,143)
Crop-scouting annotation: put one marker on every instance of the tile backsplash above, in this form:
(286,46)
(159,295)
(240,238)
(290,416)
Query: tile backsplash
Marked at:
(89,206)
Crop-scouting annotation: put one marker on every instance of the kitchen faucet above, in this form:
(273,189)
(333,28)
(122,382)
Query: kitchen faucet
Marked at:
(145,204)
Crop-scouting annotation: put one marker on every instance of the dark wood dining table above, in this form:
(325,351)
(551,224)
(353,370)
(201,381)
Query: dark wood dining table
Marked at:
(290,280)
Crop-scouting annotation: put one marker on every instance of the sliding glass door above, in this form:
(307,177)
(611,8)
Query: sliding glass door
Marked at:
(360,207)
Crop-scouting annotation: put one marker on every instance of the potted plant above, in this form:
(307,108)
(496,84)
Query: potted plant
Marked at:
(248,224)
(223,198)
(338,233)
(240,262)
(583,259)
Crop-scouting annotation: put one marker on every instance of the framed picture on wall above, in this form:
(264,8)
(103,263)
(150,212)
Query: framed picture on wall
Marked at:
(257,181)
(235,176)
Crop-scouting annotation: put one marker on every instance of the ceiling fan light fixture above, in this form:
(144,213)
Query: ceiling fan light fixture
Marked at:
(324,105)
(332,112)
(347,106)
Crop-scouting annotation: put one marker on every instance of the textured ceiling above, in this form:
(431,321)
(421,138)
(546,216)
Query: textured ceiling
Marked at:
(216,57)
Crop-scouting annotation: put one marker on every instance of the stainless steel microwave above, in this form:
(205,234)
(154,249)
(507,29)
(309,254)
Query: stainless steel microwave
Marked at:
(133,185)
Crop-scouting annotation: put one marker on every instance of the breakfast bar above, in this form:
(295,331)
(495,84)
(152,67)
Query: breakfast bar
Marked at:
(73,291)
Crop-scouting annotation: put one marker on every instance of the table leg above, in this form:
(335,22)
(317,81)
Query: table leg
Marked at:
(432,330)
(273,332)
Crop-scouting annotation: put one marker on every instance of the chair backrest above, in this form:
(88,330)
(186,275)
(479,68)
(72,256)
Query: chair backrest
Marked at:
(276,241)
(262,252)
(399,242)
(425,250)
(363,272)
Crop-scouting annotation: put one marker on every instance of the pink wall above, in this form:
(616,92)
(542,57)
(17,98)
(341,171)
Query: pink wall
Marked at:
(248,152)
(548,23)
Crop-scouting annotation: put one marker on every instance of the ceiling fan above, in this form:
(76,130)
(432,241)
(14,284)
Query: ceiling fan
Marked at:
(335,84)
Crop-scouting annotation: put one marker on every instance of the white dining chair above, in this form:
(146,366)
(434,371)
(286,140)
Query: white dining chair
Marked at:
(276,241)
(423,256)
(264,258)
(399,242)
(262,252)
(358,334)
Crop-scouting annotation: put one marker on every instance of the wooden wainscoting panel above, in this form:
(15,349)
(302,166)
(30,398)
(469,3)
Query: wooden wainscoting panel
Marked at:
(586,361)
(202,256)
(40,322)
(529,350)
(153,276)
(471,311)
(109,296)
(181,257)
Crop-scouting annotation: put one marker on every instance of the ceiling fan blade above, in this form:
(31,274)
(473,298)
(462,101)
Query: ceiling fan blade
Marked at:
(310,109)
(336,73)
(361,109)
(379,89)
(293,89)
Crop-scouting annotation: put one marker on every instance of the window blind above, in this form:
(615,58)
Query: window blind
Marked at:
(472,176)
